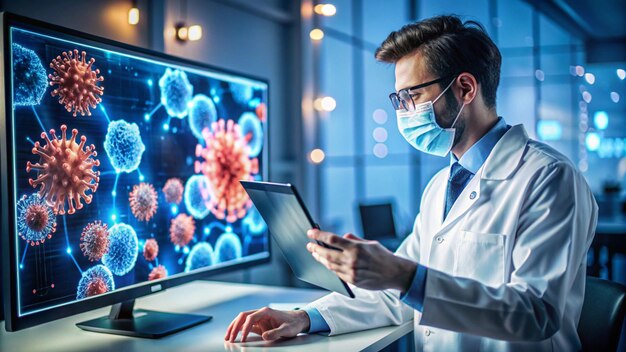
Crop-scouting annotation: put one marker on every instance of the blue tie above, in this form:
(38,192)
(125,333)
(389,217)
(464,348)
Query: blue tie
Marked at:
(459,177)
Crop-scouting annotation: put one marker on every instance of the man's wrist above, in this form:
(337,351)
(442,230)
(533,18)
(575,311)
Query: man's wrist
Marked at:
(304,319)
(406,275)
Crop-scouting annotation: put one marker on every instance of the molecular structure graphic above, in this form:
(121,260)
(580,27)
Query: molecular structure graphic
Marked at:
(202,114)
(35,219)
(227,247)
(65,171)
(158,272)
(252,131)
(173,190)
(29,77)
(197,196)
(226,162)
(143,201)
(150,249)
(122,254)
(176,92)
(95,281)
(182,229)
(201,255)
(124,146)
(77,83)
(94,240)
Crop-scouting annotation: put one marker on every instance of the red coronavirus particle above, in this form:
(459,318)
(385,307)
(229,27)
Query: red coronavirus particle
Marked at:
(226,162)
(65,171)
(143,201)
(173,190)
(94,240)
(158,272)
(77,82)
(150,249)
(182,230)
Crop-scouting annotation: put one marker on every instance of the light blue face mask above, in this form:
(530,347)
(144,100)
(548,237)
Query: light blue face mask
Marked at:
(421,130)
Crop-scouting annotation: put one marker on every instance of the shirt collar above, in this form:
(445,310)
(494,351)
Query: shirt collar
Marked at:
(476,155)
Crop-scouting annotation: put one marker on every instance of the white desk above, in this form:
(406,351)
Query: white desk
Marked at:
(221,300)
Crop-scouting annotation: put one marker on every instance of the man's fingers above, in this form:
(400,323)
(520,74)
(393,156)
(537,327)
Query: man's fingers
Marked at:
(281,331)
(353,237)
(329,238)
(338,268)
(250,321)
(330,254)
(236,325)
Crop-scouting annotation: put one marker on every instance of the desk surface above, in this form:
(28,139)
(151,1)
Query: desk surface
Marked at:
(221,300)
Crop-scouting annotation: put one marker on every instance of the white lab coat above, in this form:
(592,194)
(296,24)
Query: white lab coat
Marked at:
(507,267)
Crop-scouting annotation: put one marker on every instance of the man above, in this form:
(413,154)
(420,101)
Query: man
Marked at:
(497,257)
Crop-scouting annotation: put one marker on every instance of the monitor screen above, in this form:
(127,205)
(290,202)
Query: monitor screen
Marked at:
(125,167)
(377,220)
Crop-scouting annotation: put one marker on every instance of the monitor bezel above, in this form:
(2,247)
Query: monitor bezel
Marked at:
(14,322)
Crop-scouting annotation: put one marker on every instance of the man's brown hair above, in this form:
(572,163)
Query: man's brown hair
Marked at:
(449,46)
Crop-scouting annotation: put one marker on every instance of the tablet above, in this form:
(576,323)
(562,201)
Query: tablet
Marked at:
(288,220)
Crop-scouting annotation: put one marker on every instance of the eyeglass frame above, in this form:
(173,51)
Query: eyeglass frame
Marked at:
(401,102)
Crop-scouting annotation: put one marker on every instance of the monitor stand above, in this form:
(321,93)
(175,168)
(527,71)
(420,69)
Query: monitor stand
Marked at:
(142,323)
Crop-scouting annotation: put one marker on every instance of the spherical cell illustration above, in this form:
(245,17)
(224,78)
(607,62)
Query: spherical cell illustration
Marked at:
(173,190)
(227,247)
(65,171)
(198,196)
(182,229)
(29,77)
(95,281)
(77,82)
(35,219)
(176,92)
(261,111)
(143,201)
(124,146)
(123,249)
(200,256)
(252,132)
(242,93)
(202,114)
(225,162)
(158,272)
(255,223)
(94,240)
(150,249)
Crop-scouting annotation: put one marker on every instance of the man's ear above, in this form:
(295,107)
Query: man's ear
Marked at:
(467,84)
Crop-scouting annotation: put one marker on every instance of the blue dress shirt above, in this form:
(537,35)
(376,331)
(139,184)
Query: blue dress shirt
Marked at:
(472,160)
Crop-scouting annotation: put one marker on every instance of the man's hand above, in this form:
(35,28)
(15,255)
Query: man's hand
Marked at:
(269,323)
(366,264)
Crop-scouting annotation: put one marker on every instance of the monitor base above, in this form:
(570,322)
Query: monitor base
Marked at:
(142,323)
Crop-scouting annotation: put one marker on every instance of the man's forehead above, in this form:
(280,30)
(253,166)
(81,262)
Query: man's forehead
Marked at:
(410,71)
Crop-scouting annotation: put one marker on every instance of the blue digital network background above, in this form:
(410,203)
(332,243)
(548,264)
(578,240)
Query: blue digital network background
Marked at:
(147,128)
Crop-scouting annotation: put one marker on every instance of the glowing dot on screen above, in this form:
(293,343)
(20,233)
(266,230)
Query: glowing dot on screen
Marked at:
(216,99)
(206,230)
(615,97)
(68,250)
(146,117)
(174,209)
(174,130)
(380,150)
(229,229)
(592,141)
(21,266)
(186,250)
(380,116)
(590,78)
(150,82)
(113,193)
(141,178)
(601,119)
(113,217)
(166,126)
(621,73)
(317,156)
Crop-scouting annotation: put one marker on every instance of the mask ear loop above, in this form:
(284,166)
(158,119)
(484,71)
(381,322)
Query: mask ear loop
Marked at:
(440,94)
(457,116)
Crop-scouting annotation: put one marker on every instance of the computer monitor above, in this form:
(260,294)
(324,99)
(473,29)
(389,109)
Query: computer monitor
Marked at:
(377,220)
(120,176)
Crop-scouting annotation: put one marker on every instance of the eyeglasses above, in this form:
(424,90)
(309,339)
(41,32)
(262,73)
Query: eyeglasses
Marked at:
(403,100)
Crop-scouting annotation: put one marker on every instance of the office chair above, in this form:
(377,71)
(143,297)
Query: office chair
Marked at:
(602,315)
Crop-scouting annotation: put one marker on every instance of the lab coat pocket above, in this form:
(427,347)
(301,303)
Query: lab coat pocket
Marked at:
(480,256)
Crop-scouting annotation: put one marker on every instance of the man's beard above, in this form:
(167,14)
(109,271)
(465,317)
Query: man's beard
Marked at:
(448,116)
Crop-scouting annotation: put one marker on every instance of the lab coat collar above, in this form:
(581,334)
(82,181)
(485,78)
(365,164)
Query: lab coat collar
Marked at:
(506,155)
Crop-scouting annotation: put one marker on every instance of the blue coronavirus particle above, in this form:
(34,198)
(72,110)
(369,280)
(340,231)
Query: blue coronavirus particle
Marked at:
(197,196)
(123,145)
(95,281)
(123,248)
(29,77)
(254,222)
(35,219)
(227,247)
(202,114)
(201,255)
(252,131)
(242,93)
(176,92)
